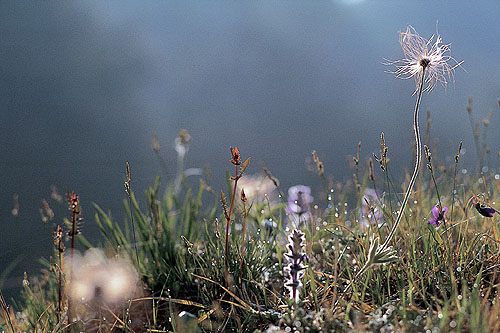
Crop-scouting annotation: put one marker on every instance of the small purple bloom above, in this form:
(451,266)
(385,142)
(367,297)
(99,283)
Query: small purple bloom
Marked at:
(438,215)
(484,210)
(366,215)
(299,198)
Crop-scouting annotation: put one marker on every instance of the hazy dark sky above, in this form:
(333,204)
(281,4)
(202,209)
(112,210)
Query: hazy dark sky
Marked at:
(85,84)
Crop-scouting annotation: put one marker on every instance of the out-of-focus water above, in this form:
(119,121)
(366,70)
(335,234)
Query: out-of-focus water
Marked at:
(84,85)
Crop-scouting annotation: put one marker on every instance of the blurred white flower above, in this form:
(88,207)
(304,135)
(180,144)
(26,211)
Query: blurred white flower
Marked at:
(256,188)
(97,279)
(182,142)
(421,53)
(299,200)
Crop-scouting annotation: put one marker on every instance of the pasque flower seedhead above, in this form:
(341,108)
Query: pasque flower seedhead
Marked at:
(424,57)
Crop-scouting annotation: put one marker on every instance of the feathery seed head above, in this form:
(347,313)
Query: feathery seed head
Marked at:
(424,56)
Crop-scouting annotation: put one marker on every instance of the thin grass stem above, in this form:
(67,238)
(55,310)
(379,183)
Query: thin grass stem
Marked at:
(457,156)
(129,195)
(228,217)
(244,200)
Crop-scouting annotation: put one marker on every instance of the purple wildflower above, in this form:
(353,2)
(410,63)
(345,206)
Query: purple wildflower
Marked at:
(484,210)
(366,215)
(299,199)
(438,214)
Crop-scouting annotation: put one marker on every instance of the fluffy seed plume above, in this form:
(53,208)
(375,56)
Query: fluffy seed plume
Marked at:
(421,54)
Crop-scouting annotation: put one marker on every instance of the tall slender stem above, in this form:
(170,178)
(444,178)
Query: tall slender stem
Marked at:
(6,313)
(436,187)
(418,144)
(74,220)
(243,237)
(132,208)
(457,156)
(59,281)
(231,209)
(234,191)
